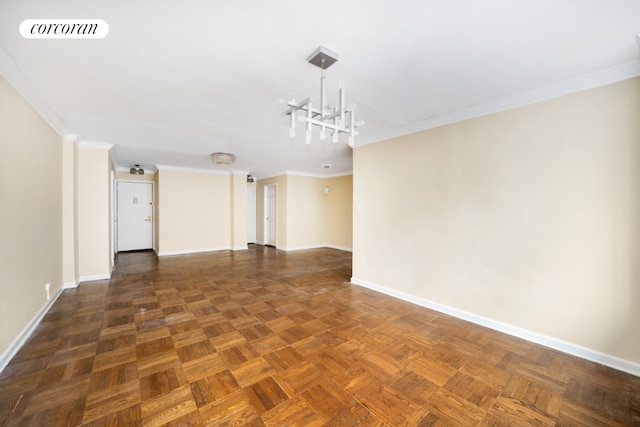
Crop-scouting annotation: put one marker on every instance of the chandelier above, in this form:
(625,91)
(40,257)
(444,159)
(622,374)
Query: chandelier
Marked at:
(223,158)
(337,120)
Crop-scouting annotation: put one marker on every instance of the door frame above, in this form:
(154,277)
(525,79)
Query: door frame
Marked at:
(265,235)
(153,211)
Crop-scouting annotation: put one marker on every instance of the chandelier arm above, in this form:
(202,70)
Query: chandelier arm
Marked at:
(327,125)
(333,116)
(293,106)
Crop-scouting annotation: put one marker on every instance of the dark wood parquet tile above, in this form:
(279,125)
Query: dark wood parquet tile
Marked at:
(268,338)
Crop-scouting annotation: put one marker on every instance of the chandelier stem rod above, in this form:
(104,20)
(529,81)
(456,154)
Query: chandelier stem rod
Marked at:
(322,100)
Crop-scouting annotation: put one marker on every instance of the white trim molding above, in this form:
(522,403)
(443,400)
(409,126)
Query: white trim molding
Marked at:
(599,78)
(303,248)
(69,285)
(554,343)
(24,335)
(21,84)
(340,248)
(307,174)
(299,248)
(317,175)
(193,251)
(93,144)
(240,248)
(192,170)
(92,277)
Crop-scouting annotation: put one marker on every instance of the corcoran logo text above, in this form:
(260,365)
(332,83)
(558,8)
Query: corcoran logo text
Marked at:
(64,29)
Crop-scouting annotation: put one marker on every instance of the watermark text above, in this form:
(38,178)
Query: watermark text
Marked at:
(64,29)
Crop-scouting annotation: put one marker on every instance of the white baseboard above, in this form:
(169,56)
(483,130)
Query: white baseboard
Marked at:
(299,248)
(193,251)
(69,285)
(24,335)
(302,248)
(240,248)
(92,277)
(340,248)
(554,343)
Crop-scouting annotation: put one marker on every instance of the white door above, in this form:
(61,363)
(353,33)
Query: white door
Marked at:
(270,201)
(251,214)
(135,215)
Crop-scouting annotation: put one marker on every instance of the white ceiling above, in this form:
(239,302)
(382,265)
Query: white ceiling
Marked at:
(175,81)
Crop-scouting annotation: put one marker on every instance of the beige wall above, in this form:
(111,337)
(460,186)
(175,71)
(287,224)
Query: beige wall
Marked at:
(30,213)
(306,224)
(238,227)
(339,212)
(529,217)
(68,213)
(194,211)
(308,218)
(93,211)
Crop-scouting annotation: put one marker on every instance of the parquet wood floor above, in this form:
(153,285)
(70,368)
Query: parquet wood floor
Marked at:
(264,337)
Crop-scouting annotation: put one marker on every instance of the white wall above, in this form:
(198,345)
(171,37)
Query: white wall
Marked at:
(529,217)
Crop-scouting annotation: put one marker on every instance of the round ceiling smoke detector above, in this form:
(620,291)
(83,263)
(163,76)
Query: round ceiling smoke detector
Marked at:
(223,158)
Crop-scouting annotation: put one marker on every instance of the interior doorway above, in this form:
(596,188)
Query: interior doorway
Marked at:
(271,212)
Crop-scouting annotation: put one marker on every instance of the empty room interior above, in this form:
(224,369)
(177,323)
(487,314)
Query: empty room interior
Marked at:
(339,213)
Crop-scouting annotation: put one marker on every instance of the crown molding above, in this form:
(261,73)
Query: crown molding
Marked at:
(316,175)
(239,172)
(12,74)
(93,144)
(192,170)
(72,137)
(76,139)
(113,155)
(307,174)
(273,175)
(338,175)
(588,81)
